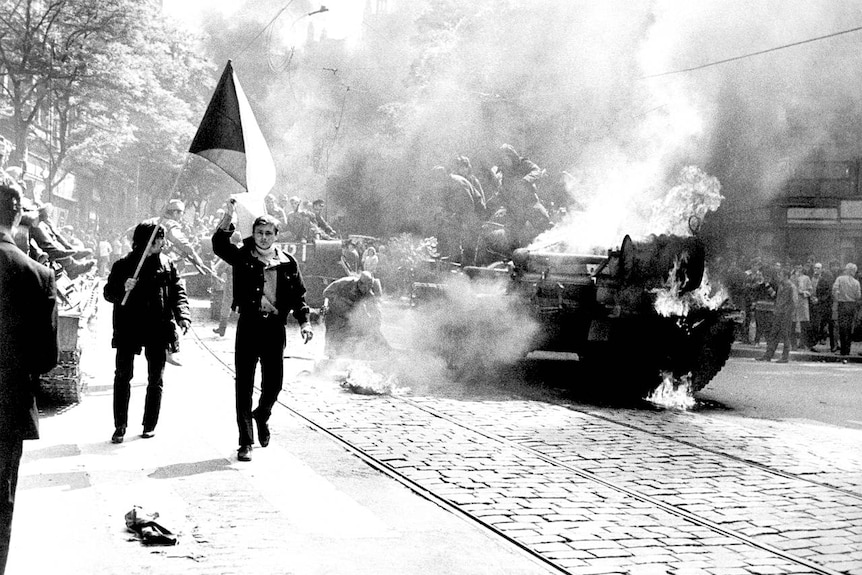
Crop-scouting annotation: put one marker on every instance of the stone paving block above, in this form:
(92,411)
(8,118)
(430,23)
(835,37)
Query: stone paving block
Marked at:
(569,554)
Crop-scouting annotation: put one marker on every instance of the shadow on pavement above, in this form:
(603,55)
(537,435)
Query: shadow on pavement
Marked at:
(71,480)
(188,469)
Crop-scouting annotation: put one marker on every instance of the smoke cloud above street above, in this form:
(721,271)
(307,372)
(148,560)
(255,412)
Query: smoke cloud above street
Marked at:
(586,90)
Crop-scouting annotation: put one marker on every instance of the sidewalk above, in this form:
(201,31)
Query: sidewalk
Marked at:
(822,355)
(304,505)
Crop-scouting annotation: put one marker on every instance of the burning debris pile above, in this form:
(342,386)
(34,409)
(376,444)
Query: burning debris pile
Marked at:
(363,380)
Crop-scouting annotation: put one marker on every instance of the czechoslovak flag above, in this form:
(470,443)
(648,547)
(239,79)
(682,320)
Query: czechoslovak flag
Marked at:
(230,138)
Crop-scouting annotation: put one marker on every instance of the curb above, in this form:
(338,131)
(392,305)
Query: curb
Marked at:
(752,352)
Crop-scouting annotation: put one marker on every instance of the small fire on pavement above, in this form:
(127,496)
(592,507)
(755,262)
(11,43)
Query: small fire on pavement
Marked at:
(362,379)
(673,393)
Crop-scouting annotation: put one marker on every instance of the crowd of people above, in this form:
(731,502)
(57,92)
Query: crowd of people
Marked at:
(801,306)
(479,223)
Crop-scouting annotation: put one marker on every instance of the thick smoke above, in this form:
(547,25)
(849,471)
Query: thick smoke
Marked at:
(572,85)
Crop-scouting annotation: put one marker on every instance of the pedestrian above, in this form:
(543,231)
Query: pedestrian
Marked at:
(782,322)
(267,286)
(224,273)
(352,316)
(825,326)
(148,297)
(846,294)
(103,255)
(805,289)
(28,347)
(763,296)
(370,260)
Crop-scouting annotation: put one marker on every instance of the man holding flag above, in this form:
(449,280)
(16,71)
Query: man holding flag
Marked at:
(267,284)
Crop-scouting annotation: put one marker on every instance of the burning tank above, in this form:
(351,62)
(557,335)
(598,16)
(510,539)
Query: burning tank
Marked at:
(637,315)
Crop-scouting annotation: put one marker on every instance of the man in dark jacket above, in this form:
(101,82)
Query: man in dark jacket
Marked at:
(267,285)
(351,310)
(825,326)
(28,347)
(148,296)
(782,324)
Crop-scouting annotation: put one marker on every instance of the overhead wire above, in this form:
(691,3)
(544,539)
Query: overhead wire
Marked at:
(752,54)
(265,28)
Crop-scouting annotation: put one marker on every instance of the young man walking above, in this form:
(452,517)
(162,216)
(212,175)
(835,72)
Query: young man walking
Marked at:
(148,296)
(267,285)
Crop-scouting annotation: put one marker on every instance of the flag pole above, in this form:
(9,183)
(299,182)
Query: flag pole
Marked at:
(141,261)
(155,231)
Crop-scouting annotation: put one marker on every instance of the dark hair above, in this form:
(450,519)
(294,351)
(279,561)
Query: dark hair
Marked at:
(317,202)
(264,220)
(10,204)
(143,232)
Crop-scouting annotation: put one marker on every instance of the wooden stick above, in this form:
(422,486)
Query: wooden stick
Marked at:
(155,231)
(141,261)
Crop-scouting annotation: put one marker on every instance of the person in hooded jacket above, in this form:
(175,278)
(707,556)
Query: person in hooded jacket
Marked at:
(148,296)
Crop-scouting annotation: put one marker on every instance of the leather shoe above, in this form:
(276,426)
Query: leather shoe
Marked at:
(118,435)
(763,359)
(783,360)
(263,434)
(148,433)
(244,453)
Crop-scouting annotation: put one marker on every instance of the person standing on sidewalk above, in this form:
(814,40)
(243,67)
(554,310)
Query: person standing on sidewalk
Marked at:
(267,285)
(28,347)
(144,319)
(846,293)
(782,324)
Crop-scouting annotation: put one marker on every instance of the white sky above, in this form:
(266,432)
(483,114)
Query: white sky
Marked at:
(342,20)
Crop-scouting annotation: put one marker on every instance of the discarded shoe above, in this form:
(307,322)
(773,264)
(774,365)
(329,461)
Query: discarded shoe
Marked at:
(119,433)
(263,434)
(244,453)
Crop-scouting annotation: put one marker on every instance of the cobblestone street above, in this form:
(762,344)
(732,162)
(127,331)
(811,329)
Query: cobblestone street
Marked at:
(435,480)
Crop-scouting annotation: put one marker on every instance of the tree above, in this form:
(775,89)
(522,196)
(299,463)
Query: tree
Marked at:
(94,83)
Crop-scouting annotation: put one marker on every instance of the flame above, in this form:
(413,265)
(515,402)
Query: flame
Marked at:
(675,394)
(363,380)
(670,303)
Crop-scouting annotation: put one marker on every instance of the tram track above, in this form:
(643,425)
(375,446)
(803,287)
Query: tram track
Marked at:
(718,452)
(500,442)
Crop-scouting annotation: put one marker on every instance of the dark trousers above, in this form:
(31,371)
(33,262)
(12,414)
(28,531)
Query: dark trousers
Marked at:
(10,459)
(258,339)
(846,317)
(782,329)
(125,368)
(825,325)
(763,324)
